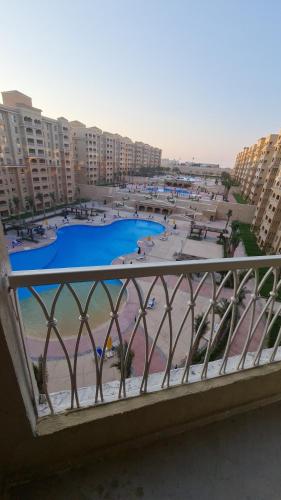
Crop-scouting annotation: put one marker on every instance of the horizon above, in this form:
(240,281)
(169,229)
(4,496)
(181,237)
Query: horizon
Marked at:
(197,81)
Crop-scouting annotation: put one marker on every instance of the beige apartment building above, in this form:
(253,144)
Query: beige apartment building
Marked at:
(251,167)
(103,157)
(267,220)
(258,170)
(42,160)
(36,166)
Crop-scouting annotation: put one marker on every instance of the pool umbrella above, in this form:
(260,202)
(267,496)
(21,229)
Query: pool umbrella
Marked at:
(109,343)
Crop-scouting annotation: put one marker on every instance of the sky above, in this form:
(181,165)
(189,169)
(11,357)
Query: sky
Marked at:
(199,79)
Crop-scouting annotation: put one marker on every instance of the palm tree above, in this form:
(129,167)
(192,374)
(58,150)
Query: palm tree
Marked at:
(197,322)
(11,207)
(228,215)
(53,198)
(16,202)
(221,307)
(78,191)
(227,182)
(39,377)
(40,198)
(30,204)
(234,242)
(196,356)
(121,356)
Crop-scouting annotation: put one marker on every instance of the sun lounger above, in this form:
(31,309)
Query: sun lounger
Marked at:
(151,303)
(141,257)
(99,352)
(16,243)
(109,354)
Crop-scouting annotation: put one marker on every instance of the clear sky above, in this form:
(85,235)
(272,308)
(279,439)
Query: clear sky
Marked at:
(198,78)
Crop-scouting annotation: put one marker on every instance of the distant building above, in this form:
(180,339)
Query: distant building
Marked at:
(43,159)
(166,163)
(192,168)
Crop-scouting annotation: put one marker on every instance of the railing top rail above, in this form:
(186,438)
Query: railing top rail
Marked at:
(123,271)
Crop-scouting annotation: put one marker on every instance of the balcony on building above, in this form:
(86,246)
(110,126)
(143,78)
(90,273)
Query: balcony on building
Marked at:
(200,410)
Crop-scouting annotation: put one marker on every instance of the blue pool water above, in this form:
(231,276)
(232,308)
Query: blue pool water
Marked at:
(180,191)
(78,246)
(81,245)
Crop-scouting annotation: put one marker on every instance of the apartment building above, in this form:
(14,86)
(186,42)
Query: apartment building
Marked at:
(240,164)
(252,166)
(36,167)
(262,160)
(258,170)
(105,157)
(43,159)
(271,172)
(267,220)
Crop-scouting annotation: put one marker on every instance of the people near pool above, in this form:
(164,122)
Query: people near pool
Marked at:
(16,243)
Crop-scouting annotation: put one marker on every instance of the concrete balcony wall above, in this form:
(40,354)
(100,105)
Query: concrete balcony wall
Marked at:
(69,438)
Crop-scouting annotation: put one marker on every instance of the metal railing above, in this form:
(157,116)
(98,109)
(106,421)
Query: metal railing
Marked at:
(170,323)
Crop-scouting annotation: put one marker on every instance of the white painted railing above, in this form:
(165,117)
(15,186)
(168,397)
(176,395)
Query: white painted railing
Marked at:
(157,313)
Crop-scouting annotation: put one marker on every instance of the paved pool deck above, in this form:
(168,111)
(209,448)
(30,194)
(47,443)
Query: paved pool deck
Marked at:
(161,250)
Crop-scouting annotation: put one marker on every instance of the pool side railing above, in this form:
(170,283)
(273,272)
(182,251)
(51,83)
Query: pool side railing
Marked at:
(241,310)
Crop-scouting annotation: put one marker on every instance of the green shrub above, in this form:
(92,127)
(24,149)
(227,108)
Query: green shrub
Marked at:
(239,198)
(273,332)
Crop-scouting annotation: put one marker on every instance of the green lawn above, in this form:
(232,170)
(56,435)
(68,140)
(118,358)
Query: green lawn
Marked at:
(249,240)
(252,250)
(239,198)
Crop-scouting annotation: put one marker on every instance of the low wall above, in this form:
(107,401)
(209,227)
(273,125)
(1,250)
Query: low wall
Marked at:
(242,212)
(95,192)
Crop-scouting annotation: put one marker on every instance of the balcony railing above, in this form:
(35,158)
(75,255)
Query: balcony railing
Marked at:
(174,323)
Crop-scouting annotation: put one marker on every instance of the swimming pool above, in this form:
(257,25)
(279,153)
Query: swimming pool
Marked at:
(179,191)
(78,246)
(81,245)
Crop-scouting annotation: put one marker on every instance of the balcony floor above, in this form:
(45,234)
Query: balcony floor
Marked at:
(238,458)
